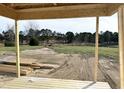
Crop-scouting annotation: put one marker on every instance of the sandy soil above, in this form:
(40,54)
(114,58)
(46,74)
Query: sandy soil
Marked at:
(67,66)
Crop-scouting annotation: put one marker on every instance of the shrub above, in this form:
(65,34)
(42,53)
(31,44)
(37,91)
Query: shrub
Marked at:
(33,42)
(9,43)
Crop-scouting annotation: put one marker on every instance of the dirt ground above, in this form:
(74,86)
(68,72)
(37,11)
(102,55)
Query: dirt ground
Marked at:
(66,66)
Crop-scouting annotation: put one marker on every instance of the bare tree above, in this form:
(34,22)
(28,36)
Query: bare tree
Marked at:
(31,25)
(10,27)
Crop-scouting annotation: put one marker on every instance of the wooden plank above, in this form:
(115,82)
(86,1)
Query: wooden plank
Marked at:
(85,10)
(17,49)
(96,50)
(28,64)
(7,12)
(33,65)
(12,69)
(121,44)
(86,6)
(113,9)
(63,12)
(34,82)
(14,66)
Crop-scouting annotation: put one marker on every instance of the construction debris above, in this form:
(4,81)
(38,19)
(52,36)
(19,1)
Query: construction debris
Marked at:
(32,65)
(12,69)
(26,67)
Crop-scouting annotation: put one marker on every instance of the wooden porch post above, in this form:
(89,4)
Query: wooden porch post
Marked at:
(96,50)
(17,49)
(121,43)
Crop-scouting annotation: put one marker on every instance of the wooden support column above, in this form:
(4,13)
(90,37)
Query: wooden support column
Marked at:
(96,50)
(121,44)
(17,49)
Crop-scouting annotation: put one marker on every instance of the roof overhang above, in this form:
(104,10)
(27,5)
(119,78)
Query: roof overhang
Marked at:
(55,10)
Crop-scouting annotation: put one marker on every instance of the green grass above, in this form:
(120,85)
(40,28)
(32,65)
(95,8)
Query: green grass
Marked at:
(22,47)
(111,52)
(103,51)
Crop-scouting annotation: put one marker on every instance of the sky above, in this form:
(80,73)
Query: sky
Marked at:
(87,24)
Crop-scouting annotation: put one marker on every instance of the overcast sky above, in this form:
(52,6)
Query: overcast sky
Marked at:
(86,24)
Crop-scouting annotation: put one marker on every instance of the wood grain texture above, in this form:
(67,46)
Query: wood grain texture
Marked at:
(53,11)
(65,13)
(96,50)
(121,44)
(48,83)
(7,12)
(17,49)
(12,69)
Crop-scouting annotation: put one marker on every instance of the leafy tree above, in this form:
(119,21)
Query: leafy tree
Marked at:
(69,37)
(115,37)
(77,38)
(81,37)
(101,37)
(21,37)
(33,41)
(9,37)
(46,35)
(107,37)
(1,37)
(31,32)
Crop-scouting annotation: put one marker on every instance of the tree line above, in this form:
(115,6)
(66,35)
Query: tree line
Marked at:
(36,37)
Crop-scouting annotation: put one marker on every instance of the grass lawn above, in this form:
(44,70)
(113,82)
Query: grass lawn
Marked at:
(103,51)
(22,47)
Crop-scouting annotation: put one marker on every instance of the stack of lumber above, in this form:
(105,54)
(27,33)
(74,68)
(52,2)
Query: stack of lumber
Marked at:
(32,65)
(12,69)
(25,69)
(27,64)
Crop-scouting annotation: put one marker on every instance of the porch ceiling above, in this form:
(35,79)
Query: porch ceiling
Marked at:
(56,10)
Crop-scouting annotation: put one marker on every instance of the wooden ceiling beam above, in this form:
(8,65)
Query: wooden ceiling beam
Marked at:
(87,6)
(7,12)
(113,9)
(86,10)
(18,6)
(62,13)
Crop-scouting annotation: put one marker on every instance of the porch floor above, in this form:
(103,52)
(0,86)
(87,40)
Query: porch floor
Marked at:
(50,83)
